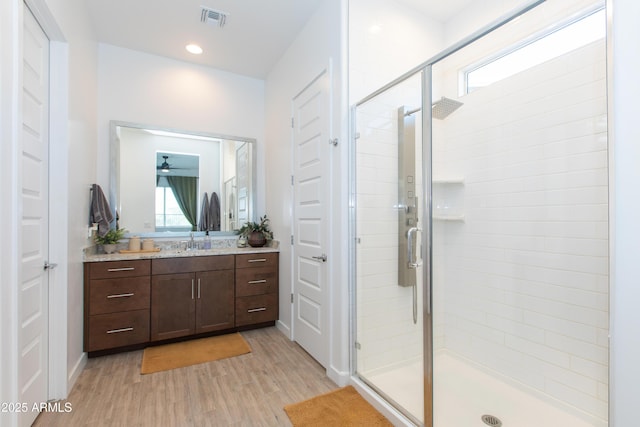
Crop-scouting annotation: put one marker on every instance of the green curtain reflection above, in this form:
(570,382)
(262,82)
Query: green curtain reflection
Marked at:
(185,190)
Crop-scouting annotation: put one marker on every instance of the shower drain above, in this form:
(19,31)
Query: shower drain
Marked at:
(492,421)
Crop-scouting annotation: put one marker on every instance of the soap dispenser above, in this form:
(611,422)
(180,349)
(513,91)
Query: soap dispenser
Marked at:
(207,240)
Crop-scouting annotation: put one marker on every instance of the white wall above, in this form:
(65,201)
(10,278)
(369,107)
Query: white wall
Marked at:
(73,19)
(625,198)
(387,39)
(152,90)
(476,15)
(317,47)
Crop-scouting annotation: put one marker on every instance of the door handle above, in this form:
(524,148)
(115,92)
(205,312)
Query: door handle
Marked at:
(49,266)
(322,257)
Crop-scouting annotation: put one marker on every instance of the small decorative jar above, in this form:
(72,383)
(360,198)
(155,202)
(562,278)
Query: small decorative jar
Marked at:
(147,245)
(134,244)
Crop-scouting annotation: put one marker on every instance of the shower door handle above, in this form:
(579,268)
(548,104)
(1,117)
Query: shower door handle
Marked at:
(413,264)
(410,253)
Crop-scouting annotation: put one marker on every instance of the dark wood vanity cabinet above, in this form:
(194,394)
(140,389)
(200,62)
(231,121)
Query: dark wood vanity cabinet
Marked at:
(116,304)
(140,301)
(191,296)
(256,288)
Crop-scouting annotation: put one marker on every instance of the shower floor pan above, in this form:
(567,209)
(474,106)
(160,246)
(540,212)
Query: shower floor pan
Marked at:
(463,394)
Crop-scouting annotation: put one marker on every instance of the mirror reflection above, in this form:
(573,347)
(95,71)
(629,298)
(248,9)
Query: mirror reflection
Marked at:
(169,181)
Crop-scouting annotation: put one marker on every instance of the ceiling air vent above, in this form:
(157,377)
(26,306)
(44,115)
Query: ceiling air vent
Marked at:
(213,17)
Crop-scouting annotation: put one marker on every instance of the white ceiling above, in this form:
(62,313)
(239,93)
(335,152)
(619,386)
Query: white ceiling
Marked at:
(256,34)
(440,10)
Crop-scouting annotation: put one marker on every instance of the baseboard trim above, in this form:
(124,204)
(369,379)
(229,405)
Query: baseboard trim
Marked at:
(78,367)
(284,328)
(339,377)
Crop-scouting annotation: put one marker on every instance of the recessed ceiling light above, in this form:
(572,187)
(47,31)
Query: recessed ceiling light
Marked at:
(193,48)
(375,29)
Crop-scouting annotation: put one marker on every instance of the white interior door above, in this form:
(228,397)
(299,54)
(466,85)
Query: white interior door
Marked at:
(311,153)
(33,293)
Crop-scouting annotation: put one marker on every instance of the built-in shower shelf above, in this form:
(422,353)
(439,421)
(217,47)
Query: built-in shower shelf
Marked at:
(459,218)
(449,180)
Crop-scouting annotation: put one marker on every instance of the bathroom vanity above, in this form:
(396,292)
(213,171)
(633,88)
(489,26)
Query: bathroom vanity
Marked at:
(134,300)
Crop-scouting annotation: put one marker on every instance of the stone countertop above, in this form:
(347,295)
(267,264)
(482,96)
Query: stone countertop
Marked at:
(92,256)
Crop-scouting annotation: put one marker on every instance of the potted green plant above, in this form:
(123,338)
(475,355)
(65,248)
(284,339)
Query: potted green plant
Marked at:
(110,239)
(257,233)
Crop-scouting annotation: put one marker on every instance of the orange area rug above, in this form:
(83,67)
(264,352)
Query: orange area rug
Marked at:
(187,353)
(342,407)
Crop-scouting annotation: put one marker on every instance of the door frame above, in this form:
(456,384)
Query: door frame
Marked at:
(10,65)
(58,200)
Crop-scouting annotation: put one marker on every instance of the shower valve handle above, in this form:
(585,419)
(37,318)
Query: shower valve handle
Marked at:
(410,233)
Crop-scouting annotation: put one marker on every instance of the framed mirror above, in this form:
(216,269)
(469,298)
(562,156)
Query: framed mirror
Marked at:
(169,182)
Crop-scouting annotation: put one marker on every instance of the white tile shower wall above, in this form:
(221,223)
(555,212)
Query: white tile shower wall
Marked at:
(525,278)
(385,328)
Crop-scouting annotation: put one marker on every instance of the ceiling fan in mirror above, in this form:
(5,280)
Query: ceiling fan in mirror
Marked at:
(165,167)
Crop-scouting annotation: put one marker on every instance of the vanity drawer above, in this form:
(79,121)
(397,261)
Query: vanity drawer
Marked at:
(256,281)
(113,295)
(192,264)
(256,309)
(118,329)
(269,259)
(116,269)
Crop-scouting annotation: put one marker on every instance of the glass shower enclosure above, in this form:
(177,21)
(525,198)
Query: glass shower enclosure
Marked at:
(389,255)
(481,231)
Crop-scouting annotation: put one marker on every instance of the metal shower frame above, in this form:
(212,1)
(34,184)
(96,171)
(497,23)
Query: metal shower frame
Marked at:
(425,205)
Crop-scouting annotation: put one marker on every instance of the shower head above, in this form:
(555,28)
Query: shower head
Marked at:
(445,106)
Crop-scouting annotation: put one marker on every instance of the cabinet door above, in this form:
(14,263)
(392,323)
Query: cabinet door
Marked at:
(173,306)
(215,305)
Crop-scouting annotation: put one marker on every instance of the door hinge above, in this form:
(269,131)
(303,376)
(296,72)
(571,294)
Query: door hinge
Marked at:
(291,298)
(292,239)
(357,345)
(357,135)
(334,142)
(292,122)
(291,179)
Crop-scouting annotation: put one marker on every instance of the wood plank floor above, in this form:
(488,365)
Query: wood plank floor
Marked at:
(247,390)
